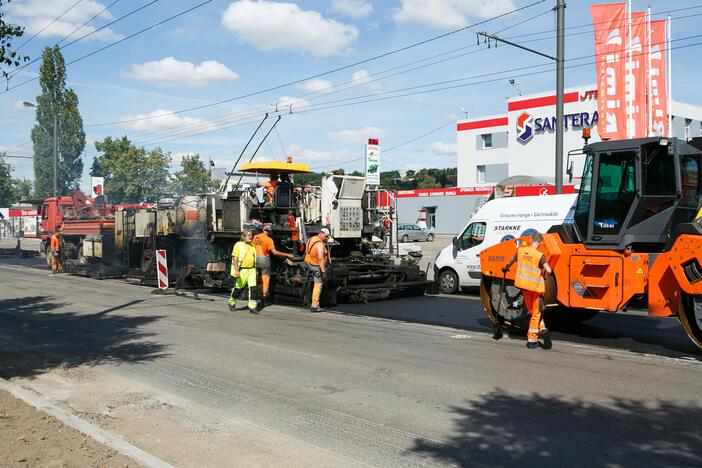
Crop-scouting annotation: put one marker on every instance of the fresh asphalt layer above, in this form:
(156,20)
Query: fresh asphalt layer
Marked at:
(408,382)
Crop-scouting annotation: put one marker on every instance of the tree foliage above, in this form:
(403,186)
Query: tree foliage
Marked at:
(193,177)
(132,174)
(57,105)
(12,190)
(8,32)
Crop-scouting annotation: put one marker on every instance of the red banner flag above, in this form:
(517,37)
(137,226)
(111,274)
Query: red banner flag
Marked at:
(609,22)
(659,94)
(637,78)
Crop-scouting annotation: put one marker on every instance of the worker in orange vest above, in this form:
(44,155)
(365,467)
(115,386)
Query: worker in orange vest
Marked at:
(317,259)
(264,248)
(531,266)
(270,187)
(56,261)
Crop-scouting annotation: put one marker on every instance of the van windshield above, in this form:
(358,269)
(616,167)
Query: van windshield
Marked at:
(473,235)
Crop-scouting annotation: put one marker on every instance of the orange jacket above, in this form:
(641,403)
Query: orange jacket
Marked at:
(311,256)
(528,276)
(55,243)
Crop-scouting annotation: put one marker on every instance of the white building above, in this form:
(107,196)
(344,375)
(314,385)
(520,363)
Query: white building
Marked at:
(522,141)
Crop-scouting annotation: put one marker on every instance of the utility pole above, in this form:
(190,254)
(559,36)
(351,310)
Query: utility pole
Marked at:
(559,59)
(55,153)
(560,54)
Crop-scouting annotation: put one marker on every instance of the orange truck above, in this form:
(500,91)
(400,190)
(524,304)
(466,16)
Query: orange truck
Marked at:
(634,241)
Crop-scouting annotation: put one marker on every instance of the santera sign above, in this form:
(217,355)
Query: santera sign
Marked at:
(528,126)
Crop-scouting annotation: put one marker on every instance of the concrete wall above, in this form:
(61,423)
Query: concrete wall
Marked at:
(452,213)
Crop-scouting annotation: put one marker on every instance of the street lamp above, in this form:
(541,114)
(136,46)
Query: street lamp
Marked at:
(31,104)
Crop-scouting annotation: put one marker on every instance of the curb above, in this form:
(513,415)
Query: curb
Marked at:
(105,437)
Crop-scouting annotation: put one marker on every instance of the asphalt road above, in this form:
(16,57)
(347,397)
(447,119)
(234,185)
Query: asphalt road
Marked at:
(410,382)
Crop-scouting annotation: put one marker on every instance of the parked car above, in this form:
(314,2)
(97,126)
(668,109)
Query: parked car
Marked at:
(412,232)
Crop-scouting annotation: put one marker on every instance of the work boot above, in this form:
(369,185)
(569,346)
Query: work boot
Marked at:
(253,311)
(532,344)
(497,332)
(546,336)
(232,305)
(314,310)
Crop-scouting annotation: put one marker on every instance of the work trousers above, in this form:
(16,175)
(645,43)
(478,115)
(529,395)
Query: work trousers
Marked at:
(534,304)
(245,282)
(318,283)
(263,266)
(56,264)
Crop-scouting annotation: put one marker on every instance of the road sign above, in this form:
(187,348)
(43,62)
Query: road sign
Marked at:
(162,269)
(373,162)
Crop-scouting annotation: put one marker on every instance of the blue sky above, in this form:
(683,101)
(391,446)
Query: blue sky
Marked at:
(226,49)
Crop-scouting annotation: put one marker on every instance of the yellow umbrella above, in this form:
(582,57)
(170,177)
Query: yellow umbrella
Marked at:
(277,167)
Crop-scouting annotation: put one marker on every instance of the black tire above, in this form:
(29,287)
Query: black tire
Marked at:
(405,238)
(448,282)
(430,237)
(513,315)
(690,317)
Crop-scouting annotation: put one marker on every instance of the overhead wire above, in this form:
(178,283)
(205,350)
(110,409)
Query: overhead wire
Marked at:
(112,44)
(47,25)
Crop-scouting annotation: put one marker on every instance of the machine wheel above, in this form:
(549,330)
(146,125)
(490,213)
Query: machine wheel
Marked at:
(405,238)
(148,260)
(513,315)
(430,237)
(690,317)
(448,282)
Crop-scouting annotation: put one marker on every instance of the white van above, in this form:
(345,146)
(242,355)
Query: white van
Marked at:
(458,265)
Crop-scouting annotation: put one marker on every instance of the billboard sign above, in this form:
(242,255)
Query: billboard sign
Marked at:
(373,162)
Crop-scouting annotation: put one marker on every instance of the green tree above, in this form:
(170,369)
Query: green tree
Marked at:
(428,182)
(193,176)
(5,182)
(9,32)
(132,174)
(57,106)
(21,189)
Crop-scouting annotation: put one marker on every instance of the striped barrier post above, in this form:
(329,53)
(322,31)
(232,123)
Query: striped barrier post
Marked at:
(162,269)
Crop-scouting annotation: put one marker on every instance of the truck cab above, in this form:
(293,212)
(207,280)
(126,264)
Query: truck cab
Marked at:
(52,211)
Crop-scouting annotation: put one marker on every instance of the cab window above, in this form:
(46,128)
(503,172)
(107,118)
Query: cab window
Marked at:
(690,181)
(473,235)
(45,212)
(616,189)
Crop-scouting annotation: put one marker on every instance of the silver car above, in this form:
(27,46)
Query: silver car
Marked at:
(412,232)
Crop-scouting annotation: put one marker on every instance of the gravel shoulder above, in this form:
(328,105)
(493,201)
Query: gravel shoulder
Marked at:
(29,437)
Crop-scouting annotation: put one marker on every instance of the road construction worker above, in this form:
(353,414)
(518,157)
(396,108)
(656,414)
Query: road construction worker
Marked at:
(244,270)
(317,259)
(56,252)
(531,265)
(263,242)
(270,187)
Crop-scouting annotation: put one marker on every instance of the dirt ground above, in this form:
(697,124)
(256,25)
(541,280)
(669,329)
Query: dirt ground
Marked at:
(29,437)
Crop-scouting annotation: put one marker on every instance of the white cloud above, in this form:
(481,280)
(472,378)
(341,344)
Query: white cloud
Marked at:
(444,149)
(316,86)
(34,15)
(161,120)
(315,157)
(284,102)
(362,77)
(357,136)
(448,14)
(352,8)
(172,71)
(271,26)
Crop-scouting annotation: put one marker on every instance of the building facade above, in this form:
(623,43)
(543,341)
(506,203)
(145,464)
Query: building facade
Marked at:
(522,141)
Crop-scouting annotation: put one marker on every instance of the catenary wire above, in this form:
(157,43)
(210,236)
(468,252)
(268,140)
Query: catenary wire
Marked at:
(47,25)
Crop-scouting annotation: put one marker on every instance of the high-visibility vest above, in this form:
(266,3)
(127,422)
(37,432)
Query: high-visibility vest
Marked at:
(55,243)
(528,275)
(311,251)
(245,254)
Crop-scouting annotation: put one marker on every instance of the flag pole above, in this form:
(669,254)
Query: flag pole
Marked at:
(629,89)
(670,80)
(649,100)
